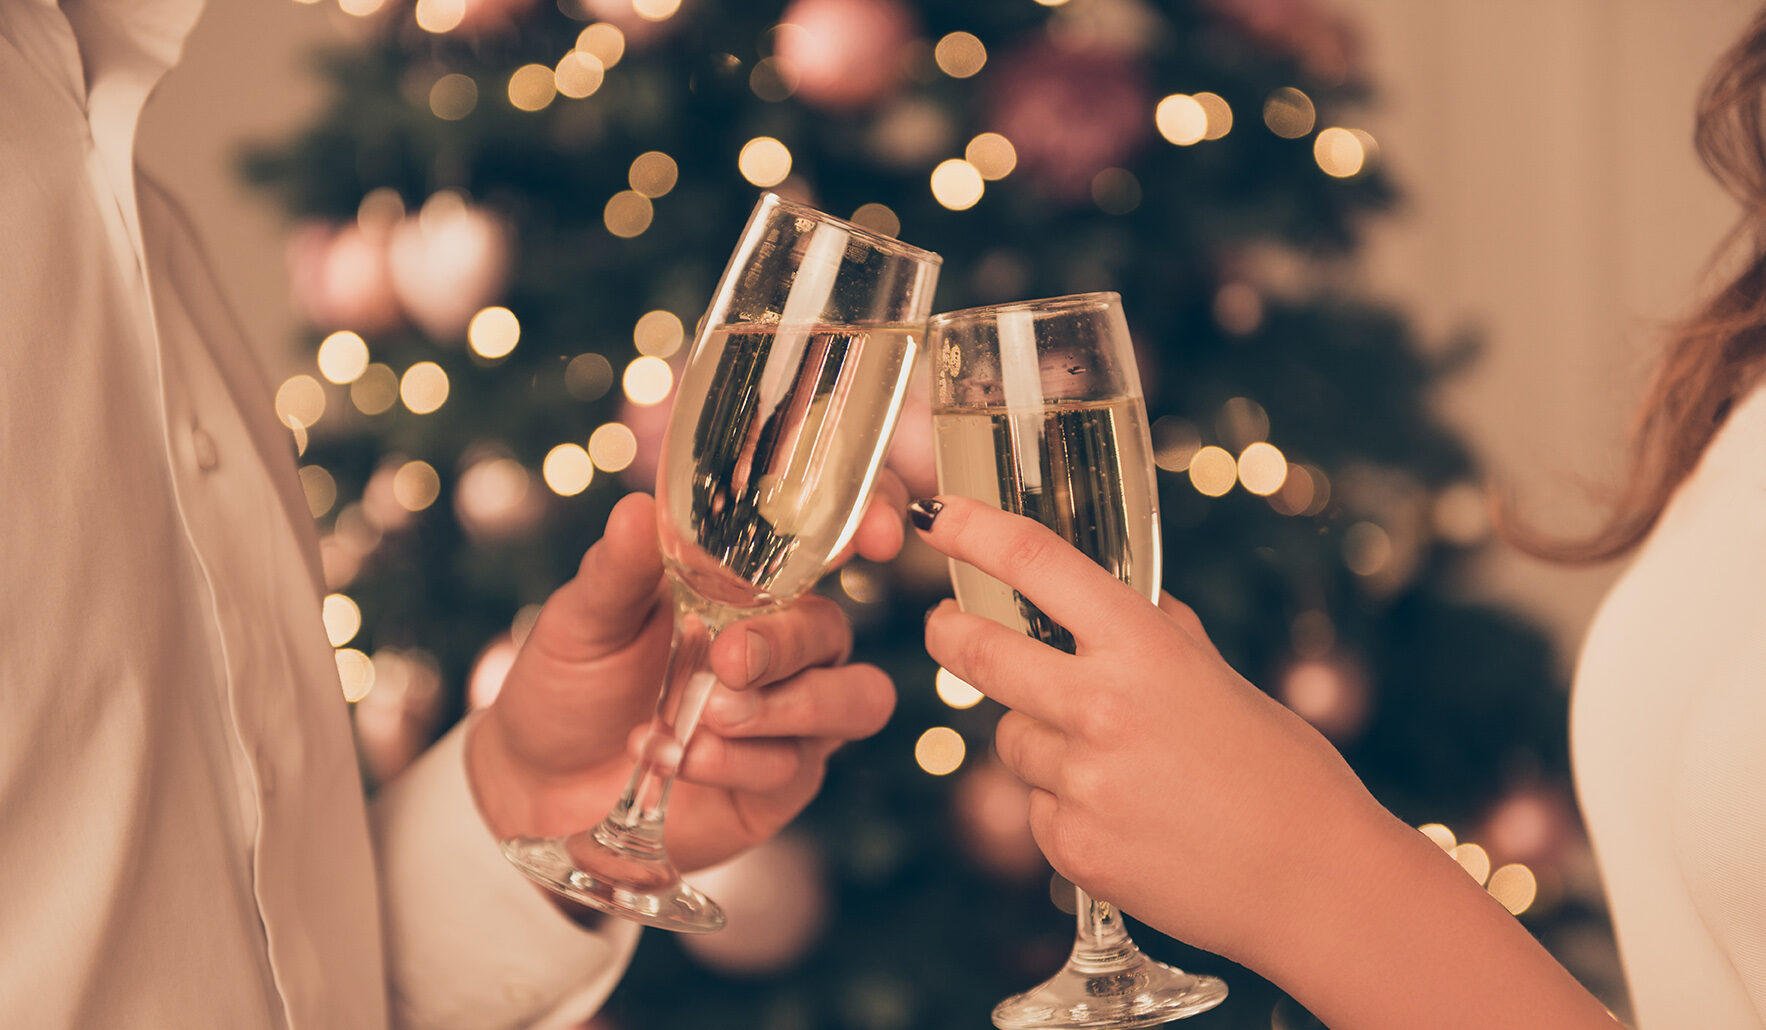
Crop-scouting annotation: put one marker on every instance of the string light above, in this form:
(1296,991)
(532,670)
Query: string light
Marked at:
(1289,113)
(567,469)
(613,447)
(955,692)
(764,161)
(424,387)
(603,41)
(1219,112)
(879,218)
(588,377)
(992,155)
(343,357)
(1181,119)
(342,618)
(658,334)
(578,75)
(300,401)
(415,485)
(960,55)
(1262,469)
(375,389)
(957,184)
(653,173)
(453,96)
(647,380)
(440,16)
(940,750)
(320,489)
(628,213)
(493,332)
(355,671)
(1338,152)
(1213,471)
(532,87)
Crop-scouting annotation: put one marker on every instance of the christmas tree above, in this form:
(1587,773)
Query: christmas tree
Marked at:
(510,218)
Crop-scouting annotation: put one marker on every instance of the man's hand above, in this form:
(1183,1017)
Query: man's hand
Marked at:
(551,754)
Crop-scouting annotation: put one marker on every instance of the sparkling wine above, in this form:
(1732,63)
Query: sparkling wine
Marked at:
(1084,469)
(772,452)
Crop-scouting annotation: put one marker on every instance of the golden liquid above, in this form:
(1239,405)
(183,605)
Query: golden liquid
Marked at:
(1084,470)
(776,437)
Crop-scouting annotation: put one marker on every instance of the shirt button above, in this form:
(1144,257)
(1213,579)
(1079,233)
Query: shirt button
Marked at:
(207,454)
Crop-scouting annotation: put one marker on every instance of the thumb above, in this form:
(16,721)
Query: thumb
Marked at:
(614,590)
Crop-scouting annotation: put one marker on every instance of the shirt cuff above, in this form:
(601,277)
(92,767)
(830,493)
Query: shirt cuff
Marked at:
(471,943)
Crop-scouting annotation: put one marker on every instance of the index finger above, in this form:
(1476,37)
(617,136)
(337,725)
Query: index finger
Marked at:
(1069,587)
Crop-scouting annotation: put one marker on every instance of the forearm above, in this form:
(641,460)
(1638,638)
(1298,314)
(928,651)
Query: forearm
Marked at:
(1392,935)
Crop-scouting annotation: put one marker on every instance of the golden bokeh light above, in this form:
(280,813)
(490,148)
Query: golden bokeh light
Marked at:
(955,692)
(1296,492)
(440,15)
(1263,469)
(380,208)
(879,218)
(773,80)
(424,387)
(764,161)
(960,55)
(647,381)
(375,390)
(355,671)
(861,585)
(653,173)
(1338,152)
(1116,191)
(416,485)
(361,8)
(1241,422)
(578,74)
(992,155)
(320,489)
(940,751)
(603,41)
(1474,860)
(343,357)
(1181,119)
(1366,548)
(957,184)
(588,377)
(659,334)
(613,447)
(1219,112)
(343,620)
(453,96)
(1175,442)
(300,401)
(532,87)
(628,213)
(1515,886)
(655,10)
(567,469)
(493,332)
(1289,113)
(1213,471)
(1441,835)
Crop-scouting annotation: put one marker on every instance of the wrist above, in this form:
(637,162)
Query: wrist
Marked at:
(496,778)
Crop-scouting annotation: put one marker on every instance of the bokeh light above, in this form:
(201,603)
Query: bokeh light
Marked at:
(355,671)
(415,485)
(773,80)
(375,390)
(627,214)
(319,487)
(588,377)
(878,218)
(1175,443)
(567,469)
(1213,471)
(940,751)
(764,161)
(1263,469)
(1181,119)
(532,87)
(659,334)
(493,332)
(424,387)
(603,41)
(647,380)
(1366,548)
(342,618)
(1515,886)
(453,96)
(343,357)
(613,447)
(1441,835)
(1474,860)
(360,8)
(957,184)
(300,401)
(1338,152)
(578,74)
(655,10)
(1241,423)
(1219,112)
(653,173)
(960,55)
(992,155)
(440,15)
(955,692)
(1289,113)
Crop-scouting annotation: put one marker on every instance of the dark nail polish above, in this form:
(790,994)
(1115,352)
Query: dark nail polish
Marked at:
(923,512)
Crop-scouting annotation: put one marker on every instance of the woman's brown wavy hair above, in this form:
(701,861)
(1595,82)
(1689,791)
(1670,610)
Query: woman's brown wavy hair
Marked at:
(1713,356)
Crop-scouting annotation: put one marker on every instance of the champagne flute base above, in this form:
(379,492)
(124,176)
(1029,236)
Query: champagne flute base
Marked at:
(600,873)
(1137,992)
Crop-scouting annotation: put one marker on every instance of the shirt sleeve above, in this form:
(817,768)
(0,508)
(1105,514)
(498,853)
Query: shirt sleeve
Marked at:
(471,944)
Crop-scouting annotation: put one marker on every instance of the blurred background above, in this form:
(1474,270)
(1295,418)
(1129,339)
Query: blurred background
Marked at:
(1378,255)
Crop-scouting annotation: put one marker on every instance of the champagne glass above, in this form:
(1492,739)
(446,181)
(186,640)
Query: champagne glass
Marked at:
(780,423)
(1037,409)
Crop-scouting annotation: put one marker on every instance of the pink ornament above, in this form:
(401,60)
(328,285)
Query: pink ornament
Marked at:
(1534,824)
(775,896)
(1071,113)
(991,811)
(844,54)
(448,263)
(340,277)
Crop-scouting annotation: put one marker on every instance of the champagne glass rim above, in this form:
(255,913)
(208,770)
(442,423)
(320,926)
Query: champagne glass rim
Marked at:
(873,238)
(1041,305)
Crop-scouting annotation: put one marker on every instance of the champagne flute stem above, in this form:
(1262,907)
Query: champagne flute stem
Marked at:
(686,687)
(1103,943)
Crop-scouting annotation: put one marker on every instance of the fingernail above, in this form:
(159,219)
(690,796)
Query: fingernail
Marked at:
(923,511)
(759,654)
(731,708)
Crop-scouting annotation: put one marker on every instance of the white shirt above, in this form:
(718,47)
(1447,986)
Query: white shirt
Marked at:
(1668,733)
(183,839)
